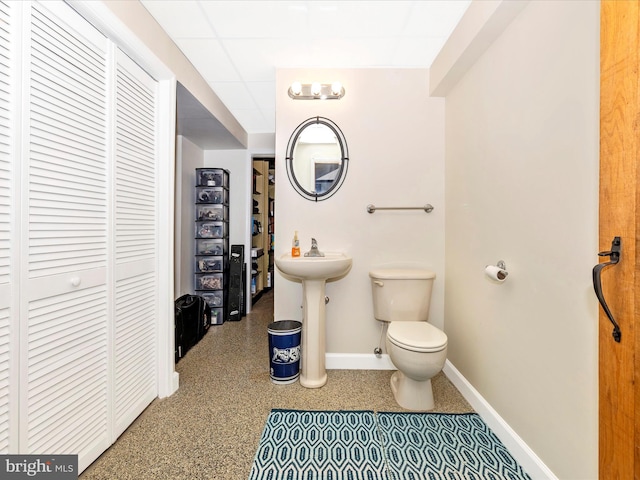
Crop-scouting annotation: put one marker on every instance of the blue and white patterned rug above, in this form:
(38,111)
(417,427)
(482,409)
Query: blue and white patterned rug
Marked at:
(363,445)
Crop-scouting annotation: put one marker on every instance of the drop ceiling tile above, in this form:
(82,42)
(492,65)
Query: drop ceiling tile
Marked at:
(356,52)
(264,93)
(180,18)
(254,121)
(417,52)
(304,52)
(269,121)
(357,18)
(234,95)
(435,18)
(252,19)
(256,60)
(210,59)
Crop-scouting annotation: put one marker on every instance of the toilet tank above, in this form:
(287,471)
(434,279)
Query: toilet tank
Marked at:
(401,294)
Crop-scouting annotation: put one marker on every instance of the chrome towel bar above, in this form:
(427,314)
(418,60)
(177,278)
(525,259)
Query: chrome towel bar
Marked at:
(428,208)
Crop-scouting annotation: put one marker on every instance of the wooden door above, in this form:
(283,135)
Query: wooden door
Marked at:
(619,456)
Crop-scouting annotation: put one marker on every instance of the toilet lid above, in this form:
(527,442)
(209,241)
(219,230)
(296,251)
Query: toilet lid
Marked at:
(417,336)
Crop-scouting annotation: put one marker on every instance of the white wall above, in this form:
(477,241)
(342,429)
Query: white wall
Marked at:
(188,157)
(395,136)
(522,186)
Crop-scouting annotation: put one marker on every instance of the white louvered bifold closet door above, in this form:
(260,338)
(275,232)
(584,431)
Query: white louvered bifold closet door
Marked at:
(135,243)
(64,357)
(7,231)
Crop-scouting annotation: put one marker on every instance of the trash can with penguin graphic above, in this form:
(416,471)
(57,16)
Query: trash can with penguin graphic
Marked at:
(284,351)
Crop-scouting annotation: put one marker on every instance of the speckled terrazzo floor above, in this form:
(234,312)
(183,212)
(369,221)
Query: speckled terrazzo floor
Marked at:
(210,428)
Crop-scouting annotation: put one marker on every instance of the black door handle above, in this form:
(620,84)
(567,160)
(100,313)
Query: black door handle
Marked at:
(614,257)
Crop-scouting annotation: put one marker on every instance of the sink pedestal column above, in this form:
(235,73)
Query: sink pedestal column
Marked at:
(312,364)
(313,272)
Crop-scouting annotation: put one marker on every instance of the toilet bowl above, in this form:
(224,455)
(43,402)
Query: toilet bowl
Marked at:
(401,298)
(418,350)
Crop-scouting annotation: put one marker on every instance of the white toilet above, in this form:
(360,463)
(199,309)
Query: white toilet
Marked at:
(418,350)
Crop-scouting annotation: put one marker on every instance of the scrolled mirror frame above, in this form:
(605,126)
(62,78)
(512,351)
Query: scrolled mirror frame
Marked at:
(344,164)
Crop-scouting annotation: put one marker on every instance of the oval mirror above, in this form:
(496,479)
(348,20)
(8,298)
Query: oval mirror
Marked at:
(317,158)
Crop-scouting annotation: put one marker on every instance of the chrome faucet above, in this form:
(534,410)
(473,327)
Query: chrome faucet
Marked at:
(314,252)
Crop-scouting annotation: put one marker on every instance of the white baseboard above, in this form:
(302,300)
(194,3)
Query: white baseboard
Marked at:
(176,382)
(536,469)
(357,361)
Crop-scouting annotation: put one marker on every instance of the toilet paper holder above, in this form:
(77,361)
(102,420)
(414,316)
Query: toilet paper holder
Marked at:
(497,272)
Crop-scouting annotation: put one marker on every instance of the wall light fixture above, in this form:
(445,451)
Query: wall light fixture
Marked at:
(316,91)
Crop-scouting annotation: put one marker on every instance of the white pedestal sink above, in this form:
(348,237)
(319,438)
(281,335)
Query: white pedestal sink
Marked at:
(313,272)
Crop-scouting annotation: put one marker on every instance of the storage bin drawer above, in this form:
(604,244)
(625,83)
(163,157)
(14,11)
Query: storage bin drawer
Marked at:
(212,177)
(212,247)
(208,264)
(217,316)
(212,213)
(211,229)
(209,281)
(215,298)
(217,195)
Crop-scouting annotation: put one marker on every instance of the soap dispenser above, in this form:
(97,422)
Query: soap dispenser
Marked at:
(295,246)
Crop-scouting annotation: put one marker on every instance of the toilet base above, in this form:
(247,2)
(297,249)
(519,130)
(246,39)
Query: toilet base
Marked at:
(412,395)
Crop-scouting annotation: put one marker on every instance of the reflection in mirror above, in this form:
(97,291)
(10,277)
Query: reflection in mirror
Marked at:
(317,158)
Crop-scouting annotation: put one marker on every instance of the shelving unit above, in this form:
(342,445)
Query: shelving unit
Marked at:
(271,230)
(212,240)
(263,226)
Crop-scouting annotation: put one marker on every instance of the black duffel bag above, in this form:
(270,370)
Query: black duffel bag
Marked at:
(192,320)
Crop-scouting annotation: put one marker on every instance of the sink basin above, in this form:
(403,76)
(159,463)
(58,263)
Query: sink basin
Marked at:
(314,272)
(332,265)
